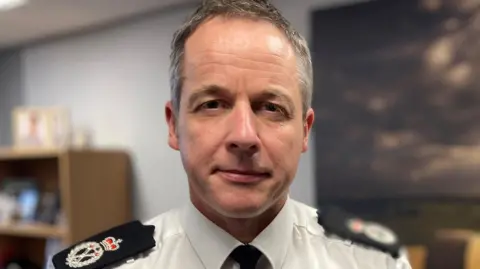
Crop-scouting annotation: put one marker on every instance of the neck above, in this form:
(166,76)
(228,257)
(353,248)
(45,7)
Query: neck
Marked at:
(242,229)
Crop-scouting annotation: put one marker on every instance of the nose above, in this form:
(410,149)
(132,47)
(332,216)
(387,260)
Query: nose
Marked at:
(243,135)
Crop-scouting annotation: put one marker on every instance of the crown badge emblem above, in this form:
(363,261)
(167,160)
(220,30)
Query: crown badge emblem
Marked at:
(90,252)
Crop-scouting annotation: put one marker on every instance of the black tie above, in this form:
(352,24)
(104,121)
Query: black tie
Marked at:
(247,256)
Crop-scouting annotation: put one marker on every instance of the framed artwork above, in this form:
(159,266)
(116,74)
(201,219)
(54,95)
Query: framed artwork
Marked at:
(40,127)
(397,100)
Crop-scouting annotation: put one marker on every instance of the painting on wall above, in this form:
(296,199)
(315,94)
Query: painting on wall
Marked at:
(397,99)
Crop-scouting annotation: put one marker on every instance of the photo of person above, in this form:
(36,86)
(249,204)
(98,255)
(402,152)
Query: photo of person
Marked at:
(32,128)
(41,127)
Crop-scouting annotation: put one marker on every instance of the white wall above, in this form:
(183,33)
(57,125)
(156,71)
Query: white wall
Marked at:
(116,82)
(10,91)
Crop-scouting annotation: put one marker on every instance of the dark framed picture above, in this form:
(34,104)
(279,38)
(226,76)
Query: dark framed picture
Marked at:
(397,99)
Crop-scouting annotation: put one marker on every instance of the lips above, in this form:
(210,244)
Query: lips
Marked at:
(242,176)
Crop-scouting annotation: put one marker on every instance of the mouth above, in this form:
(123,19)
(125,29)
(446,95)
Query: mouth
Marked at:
(242,176)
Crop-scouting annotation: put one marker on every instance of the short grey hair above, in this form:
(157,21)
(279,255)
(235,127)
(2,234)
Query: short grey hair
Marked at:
(251,9)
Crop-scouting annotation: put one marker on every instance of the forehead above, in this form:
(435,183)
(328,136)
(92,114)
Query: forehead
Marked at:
(241,37)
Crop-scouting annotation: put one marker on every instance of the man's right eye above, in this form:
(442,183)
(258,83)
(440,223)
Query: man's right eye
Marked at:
(213,104)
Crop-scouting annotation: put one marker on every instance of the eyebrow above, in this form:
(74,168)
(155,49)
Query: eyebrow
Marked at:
(209,90)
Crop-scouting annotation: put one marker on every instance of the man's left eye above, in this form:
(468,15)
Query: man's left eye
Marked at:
(272,107)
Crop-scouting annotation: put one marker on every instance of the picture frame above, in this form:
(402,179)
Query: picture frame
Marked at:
(396,100)
(40,127)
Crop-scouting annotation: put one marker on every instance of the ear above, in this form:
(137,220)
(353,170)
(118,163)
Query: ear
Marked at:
(172,125)
(307,127)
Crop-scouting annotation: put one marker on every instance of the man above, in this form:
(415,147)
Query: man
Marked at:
(240,117)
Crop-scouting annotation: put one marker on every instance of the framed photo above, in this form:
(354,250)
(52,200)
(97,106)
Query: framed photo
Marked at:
(397,100)
(40,127)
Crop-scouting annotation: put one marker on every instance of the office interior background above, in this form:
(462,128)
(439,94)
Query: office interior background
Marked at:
(106,62)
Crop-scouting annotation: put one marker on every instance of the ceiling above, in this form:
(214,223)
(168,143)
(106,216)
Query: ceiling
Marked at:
(40,19)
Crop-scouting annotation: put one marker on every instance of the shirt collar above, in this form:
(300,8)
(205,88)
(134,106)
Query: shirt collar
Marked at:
(213,245)
(274,240)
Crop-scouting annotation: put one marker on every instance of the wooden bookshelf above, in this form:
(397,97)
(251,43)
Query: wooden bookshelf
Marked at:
(94,187)
(35,230)
(24,154)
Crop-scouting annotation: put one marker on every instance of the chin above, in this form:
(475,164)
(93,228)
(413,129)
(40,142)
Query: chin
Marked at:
(239,213)
(240,207)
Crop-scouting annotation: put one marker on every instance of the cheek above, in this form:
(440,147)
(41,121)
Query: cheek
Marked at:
(284,146)
(196,141)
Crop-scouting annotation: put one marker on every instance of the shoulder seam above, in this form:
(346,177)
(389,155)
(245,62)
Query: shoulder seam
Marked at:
(161,240)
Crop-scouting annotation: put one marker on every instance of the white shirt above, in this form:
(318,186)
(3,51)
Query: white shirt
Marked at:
(186,239)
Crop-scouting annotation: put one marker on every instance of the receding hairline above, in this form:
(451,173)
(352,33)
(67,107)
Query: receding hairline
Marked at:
(295,40)
(279,32)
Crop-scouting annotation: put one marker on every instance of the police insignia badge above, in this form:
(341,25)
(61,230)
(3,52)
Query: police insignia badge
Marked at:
(380,233)
(90,252)
(108,248)
(339,223)
(356,225)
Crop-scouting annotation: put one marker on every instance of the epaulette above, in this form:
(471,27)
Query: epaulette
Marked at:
(107,248)
(369,234)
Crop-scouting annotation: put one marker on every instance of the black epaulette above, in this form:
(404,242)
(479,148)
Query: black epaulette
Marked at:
(107,248)
(370,234)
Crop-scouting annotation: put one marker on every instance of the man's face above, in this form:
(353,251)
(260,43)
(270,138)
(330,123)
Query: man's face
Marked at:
(239,129)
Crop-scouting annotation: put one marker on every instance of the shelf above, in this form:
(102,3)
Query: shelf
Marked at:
(81,177)
(21,154)
(32,230)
